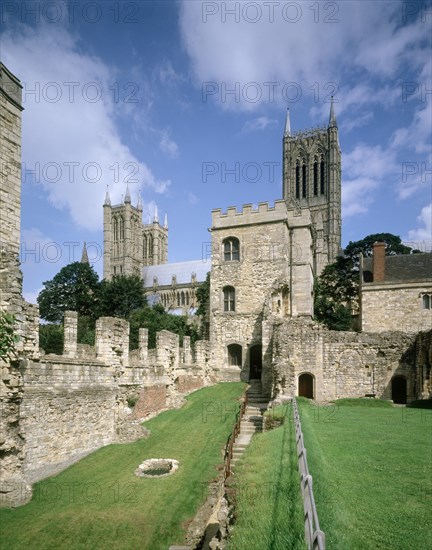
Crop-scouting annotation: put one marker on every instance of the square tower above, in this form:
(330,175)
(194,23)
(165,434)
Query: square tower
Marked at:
(312,180)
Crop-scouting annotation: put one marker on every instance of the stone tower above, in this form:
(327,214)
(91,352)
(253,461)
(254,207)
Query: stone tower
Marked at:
(129,244)
(312,180)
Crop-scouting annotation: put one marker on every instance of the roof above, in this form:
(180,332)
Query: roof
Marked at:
(404,267)
(182,270)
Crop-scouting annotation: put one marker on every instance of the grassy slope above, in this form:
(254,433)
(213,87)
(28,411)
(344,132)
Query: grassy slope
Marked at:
(269,509)
(372,475)
(100,503)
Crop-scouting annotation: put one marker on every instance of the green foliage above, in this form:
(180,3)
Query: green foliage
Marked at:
(155,319)
(51,338)
(336,290)
(363,402)
(132,401)
(8,337)
(120,296)
(86,330)
(75,287)
(203,296)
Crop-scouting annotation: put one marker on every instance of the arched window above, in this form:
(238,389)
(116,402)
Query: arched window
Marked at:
(187,298)
(115,229)
(304,181)
(322,176)
(229,298)
(183,299)
(315,177)
(145,247)
(231,247)
(235,355)
(297,180)
(178,298)
(121,229)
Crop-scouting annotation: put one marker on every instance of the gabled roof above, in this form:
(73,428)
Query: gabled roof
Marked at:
(404,267)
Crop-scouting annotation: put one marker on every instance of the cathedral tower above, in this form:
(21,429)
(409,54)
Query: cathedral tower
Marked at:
(129,245)
(312,180)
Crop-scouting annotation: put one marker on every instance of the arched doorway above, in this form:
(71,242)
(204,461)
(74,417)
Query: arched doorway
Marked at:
(255,362)
(306,385)
(235,355)
(399,390)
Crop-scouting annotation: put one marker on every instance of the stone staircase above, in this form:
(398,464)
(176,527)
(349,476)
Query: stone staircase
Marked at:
(252,421)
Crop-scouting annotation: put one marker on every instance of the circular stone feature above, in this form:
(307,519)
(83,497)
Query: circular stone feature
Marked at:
(157,467)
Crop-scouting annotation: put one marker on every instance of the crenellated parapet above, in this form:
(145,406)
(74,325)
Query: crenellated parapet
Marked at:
(264,213)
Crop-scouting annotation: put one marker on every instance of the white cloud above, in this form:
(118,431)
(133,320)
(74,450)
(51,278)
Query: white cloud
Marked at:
(259,123)
(168,146)
(193,199)
(421,237)
(70,136)
(310,51)
(367,167)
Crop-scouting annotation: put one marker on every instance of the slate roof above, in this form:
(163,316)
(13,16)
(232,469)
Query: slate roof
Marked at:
(182,270)
(404,267)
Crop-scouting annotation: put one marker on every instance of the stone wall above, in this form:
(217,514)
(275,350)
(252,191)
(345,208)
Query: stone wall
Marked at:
(344,364)
(396,307)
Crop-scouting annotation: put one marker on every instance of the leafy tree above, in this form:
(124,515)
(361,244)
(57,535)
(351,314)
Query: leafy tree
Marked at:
(203,296)
(75,287)
(8,337)
(51,338)
(155,319)
(86,330)
(337,288)
(120,296)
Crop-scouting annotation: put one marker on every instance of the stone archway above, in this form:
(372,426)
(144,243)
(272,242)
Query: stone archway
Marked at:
(306,385)
(399,390)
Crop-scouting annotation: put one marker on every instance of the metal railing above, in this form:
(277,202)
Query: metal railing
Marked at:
(315,538)
(233,436)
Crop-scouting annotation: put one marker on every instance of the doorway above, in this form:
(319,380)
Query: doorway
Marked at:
(255,362)
(399,390)
(306,385)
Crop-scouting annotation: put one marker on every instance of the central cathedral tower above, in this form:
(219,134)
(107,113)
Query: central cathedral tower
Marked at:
(312,180)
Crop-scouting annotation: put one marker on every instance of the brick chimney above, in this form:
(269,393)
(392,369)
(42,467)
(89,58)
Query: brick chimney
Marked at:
(378,262)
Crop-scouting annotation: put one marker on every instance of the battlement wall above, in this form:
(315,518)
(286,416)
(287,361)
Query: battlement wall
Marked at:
(265,213)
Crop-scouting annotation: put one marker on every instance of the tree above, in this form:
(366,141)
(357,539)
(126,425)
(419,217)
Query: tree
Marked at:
(8,337)
(203,296)
(75,287)
(155,319)
(337,288)
(51,338)
(120,296)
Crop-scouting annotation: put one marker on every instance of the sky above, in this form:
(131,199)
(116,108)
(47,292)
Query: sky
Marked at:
(185,102)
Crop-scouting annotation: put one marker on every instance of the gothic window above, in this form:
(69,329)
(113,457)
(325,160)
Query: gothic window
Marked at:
(115,229)
(183,299)
(322,176)
(315,177)
(427,301)
(187,298)
(231,249)
(121,229)
(229,298)
(304,181)
(235,355)
(297,180)
(145,247)
(178,299)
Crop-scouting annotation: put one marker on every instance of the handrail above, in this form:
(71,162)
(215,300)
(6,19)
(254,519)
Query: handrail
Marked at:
(231,439)
(315,538)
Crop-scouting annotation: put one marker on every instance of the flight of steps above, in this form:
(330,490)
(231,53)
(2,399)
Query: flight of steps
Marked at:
(252,421)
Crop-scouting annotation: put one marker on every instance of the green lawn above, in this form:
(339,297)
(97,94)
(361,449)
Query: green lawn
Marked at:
(269,510)
(372,471)
(100,503)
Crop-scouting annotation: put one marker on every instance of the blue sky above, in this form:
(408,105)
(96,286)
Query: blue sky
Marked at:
(187,101)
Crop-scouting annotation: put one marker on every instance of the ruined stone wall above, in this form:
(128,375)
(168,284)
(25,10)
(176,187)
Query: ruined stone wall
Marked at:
(397,308)
(343,364)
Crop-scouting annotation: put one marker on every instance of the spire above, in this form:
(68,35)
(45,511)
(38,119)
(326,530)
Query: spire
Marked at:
(166,221)
(107,198)
(156,217)
(139,203)
(287,124)
(127,198)
(332,118)
(84,255)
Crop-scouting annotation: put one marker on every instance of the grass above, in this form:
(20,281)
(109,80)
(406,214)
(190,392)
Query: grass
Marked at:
(269,510)
(100,503)
(371,467)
